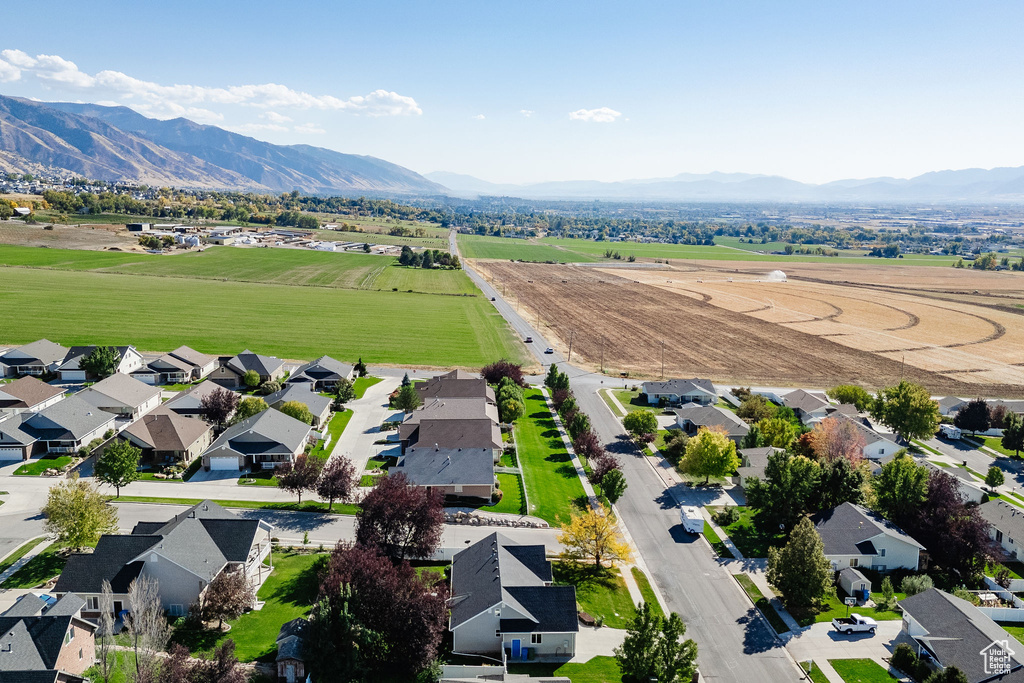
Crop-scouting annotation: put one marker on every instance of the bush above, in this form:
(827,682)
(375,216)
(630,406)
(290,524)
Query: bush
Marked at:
(967,595)
(268,388)
(904,658)
(917,583)
(727,516)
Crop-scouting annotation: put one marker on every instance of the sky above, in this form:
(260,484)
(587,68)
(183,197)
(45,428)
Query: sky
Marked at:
(520,92)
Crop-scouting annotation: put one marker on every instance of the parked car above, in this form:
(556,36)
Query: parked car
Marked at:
(855,623)
(549,350)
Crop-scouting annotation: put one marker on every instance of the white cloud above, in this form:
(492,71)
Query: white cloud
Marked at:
(274,117)
(257,127)
(176,100)
(309,128)
(526,112)
(479,117)
(599,115)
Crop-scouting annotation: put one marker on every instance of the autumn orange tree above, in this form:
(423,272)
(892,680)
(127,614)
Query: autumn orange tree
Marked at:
(593,536)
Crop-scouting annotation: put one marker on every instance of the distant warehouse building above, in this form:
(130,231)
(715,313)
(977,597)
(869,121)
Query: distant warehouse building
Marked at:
(139,227)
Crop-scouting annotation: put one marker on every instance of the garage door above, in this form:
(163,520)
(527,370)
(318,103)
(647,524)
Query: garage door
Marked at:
(73,375)
(224,463)
(10,454)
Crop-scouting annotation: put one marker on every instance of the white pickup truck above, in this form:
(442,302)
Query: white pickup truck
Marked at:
(855,623)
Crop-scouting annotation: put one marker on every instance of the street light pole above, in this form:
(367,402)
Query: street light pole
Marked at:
(572,333)
(663,360)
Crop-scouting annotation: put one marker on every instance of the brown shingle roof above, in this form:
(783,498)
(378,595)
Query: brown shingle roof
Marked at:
(168,431)
(30,391)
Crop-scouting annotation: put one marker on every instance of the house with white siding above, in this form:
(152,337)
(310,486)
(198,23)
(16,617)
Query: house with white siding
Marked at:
(70,369)
(1006,526)
(856,537)
(36,358)
(679,391)
(27,395)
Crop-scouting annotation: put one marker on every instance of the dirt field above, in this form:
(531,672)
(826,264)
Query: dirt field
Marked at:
(824,326)
(67,236)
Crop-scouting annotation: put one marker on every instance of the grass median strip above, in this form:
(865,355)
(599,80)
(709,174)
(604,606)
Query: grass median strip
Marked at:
(336,427)
(647,591)
(9,561)
(720,548)
(762,603)
(308,506)
(361,384)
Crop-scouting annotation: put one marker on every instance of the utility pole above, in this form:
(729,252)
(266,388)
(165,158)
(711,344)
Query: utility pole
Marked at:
(602,355)
(572,333)
(663,360)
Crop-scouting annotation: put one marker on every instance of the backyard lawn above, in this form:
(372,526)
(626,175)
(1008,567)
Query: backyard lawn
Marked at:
(631,401)
(361,384)
(288,592)
(512,495)
(750,541)
(554,488)
(860,671)
(600,669)
(37,571)
(335,428)
(835,608)
(34,468)
(601,593)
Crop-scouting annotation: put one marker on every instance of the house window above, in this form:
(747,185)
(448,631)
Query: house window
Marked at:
(79,655)
(535,638)
(853,561)
(70,635)
(881,552)
(176,610)
(92,603)
(497,633)
(999,536)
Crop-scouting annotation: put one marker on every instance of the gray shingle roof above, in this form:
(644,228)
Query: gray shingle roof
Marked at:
(42,351)
(957,632)
(680,387)
(804,400)
(455,384)
(846,530)
(268,432)
(453,434)
(497,570)
(123,389)
(870,435)
(168,431)
(191,356)
(322,369)
(291,640)
(247,360)
(316,403)
(71,418)
(1007,518)
(448,466)
(33,643)
(191,401)
(711,416)
(476,408)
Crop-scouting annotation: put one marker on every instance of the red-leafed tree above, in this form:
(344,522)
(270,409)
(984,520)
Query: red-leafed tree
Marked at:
(588,445)
(600,467)
(218,405)
(403,521)
(223,668)
(300,476)
(227,597)
(834,438)
(503,368)
(559,396)
(955,535)
(337,481)
(406,613)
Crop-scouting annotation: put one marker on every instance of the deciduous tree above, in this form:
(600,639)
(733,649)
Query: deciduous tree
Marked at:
(756,408)
(852,394)
(249,406)
(1013,433)
(995,477)
(77,514)
(579,424)
(900,489)
(776,432)
(786,493)
(613,485)
(973,417)
(218,405)
(653,649)
(709,454)
(592,536)
(251,379)
(640,422)
(337,481)
(301,476)
(840,482)
(588,446)
(101,362)
(148,630)
(403,521)
(227,596)
(344,392)
(118,465)
(908,410)
(675,445)
(799,570)
(835,438)
(955,535)
(494,372)
(298,410)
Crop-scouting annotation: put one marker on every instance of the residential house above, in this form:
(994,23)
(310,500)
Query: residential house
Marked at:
(181,366)
(231,370)
(122,395)
(202,364)
(503,602)
(319,406)
(856,537)
(1005,526)
(183,554)
(70,369)
(952,632)
(37,358)
(691,417)
(27,395)
(322,374)
(950,405)
(262,441)
(452,423)
(44,641)
(64,427)
(876,446)
(969,485)
(678,391)
(455,384)
(168,438)
(753,461)
(808,407)
(291,657)
(190,402)
(458,472)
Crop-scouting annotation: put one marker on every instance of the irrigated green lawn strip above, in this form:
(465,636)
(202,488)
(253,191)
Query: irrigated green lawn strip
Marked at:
(335,428)
(762,603)
(37,571)
(512,495)
(860,671)
(307,506)
(361,384)
(37,467)
(600,669)
(647,591)
(551,480)
(9,561)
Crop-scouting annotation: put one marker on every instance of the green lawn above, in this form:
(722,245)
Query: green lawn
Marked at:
(75,307)
(814,672)
(717,544)
(608,401)
(601,593)
(761,602)
(645,589)
(307,506)
(369,479)
(258,478)
(507,248)
(748,539)
(548,473)
(335,428)
(1015,629)
(512,500)
(995,443)
(600,669)
(19,553)
(376,463)
(288,592)
(37,467)
(631,401)
(834,607)
(149,475)
(860,671)
(37,571)
(508,460)
(361,384)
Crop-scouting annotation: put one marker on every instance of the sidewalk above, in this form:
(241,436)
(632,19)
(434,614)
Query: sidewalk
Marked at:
(24,560)
(580,472)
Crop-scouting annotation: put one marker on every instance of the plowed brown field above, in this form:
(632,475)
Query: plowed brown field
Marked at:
(824,326)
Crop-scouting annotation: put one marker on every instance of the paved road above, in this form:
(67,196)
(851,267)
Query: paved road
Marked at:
(734,643)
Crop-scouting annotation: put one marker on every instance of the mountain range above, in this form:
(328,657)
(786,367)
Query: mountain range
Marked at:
(117,143)
(969,185)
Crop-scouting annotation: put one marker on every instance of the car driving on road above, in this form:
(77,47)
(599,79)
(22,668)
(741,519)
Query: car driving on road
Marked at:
(549,350)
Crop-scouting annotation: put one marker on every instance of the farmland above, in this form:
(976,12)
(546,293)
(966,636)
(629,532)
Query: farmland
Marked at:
(279,302)
(824,326)
(476,246)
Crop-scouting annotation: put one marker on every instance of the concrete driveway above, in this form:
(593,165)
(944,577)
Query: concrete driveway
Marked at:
(216,477)
(821,642)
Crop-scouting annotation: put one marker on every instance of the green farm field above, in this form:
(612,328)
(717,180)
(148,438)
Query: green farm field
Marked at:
(478,246)
(271,266)
(223,317)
